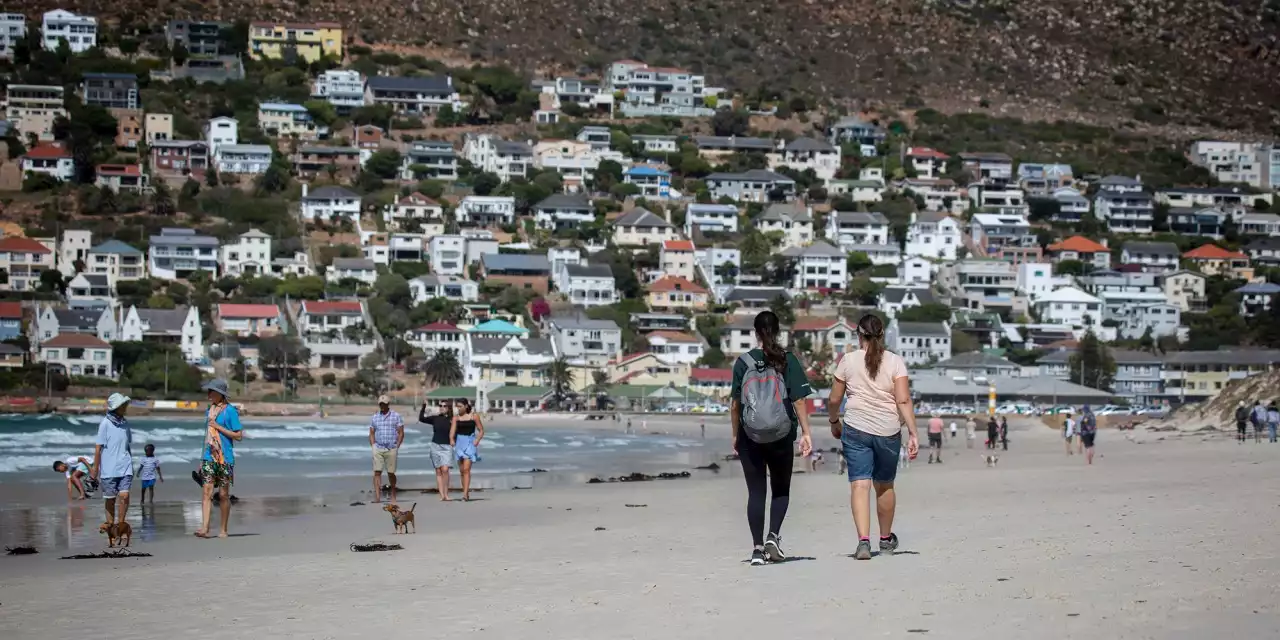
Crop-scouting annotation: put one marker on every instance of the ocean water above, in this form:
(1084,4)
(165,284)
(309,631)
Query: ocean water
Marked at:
(315,450)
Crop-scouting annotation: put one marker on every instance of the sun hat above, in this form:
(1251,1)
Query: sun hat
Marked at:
(116,400)
(217,385)
(384,399)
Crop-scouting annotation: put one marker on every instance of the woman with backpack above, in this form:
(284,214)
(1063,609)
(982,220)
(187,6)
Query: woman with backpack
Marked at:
(875,383)
(769,388)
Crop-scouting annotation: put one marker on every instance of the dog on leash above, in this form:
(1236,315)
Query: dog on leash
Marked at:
(401,519)
(119,532)
(991,459)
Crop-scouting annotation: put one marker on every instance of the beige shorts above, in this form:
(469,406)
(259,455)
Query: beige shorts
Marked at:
(384,459)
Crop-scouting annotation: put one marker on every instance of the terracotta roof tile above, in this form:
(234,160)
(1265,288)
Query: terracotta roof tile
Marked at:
(678,245)
(22,245)
(10,309)
(1213,252)
(1079,244)
(673,336)
(75,340)
(248,311)
(676,283)
(707,374)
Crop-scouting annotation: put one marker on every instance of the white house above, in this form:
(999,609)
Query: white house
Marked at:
(99,322)
(894,299)
(927,162)
(243,159)
(641,227)
(1036,279)
(503,158)
(414,206)
(575,161)
(80,32)
(589,285)
(1122,202)
(919,342)
(455,288)
(430,159)
(989,168)
(486,210)
(49,159)
(675,346)
(361,269)
(915,270)
(336,333)
(79,355)
(564,211)
(713,218)
(819,266)
(327,203)
(933,235)
(251,253)
(1256,297)
(857,190)
(510,360)
(754,185)
(807,153)
(219,131)
(586,341)
(447,254)
(87,290)
(1152,256)
(343,88)
(849,228)
(414,95)
(178,253)
(116,260)
(793,221)
(13,27)
(178,326)
(676,258)
(1070,306)
(939,194)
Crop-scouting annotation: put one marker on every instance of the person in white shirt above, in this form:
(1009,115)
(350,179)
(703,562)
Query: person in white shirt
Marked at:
(1069,432)
(953,428)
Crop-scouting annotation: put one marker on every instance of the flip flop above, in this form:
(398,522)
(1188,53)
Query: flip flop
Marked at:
(195,475)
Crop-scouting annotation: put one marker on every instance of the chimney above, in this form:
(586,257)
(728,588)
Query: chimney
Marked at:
(667,214)
(304,189)
(1106,243)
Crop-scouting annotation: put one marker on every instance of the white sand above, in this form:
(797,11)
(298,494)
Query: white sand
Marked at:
(1168,539)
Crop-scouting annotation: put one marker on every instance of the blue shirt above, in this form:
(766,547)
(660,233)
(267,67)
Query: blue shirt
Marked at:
(386,429)
(229,419)
(115,438)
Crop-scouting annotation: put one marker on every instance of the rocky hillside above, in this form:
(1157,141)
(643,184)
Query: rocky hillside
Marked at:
(1205,62)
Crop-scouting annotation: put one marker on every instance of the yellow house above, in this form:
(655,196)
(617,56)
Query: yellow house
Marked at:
(283,40)
(648,369)
(677,294)
(1190,376)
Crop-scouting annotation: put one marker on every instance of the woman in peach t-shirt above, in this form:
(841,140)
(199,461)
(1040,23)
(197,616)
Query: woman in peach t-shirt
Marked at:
(873,384)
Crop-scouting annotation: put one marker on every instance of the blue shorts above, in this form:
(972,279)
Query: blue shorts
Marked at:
(464,447)
(147,484)
(111,487)
(869,456)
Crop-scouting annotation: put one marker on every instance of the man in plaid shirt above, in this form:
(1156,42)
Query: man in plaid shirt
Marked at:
(386,432)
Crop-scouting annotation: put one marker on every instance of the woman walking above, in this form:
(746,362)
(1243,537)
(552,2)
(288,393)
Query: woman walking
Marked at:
(876,385)
(767,406)
(441,451)
(465,434)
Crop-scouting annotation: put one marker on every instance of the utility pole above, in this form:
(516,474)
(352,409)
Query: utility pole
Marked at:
(166,373)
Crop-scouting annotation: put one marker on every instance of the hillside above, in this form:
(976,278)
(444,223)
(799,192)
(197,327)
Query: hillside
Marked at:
(1203,62)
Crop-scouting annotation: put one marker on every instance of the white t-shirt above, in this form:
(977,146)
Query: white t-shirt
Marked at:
(1071,428)
(74,461)
(870,405)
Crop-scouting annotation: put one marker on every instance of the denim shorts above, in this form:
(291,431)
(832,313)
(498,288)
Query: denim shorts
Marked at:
(147,484)
(111,487)
(870,456)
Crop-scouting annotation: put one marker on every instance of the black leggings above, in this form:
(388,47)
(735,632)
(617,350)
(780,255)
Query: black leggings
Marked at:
(777,458)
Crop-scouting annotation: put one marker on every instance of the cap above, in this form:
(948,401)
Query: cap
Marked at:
(116,400)
(384,399)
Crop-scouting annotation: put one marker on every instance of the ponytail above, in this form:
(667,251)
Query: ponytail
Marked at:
(871,330)
(767,330)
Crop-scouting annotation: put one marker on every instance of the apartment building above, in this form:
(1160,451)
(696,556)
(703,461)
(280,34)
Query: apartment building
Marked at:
(110,90)
(933,235)
(121,178)
(418,95)
(1236,162)
(79,32)
(1123,204)
(710,218)
(794,221)
(117,261)
(13,27)
(486,210)
(503,158)
(658,91)
(283,120)
(243,159)
(755,185)
(819,267)
(429,159)
(641,227)
(290,41)
(676,258)
(32,108)
(178,253)
(342,88)
(24,259)
(176,158)
(1192,376)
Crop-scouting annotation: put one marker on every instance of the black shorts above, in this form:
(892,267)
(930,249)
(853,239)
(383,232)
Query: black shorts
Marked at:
(1088,439)
(935,439)
(1240,426)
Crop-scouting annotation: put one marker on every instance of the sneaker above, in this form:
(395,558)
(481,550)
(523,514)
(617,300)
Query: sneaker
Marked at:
(887,547)
(864,550)
(757,557)
(773,548)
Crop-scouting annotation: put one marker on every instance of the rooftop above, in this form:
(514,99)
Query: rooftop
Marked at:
(260,311)
(17,244)
(515,262)
(1213,252)
(1079,244)
(640,217)
(327,307)
(676,283)
(75,341)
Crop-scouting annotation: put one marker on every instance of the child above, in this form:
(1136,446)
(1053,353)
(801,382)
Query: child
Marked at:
(79,480)
(149,472)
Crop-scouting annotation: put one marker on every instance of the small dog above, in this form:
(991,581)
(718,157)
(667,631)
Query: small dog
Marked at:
(991,459)
(402,519)
(119,532)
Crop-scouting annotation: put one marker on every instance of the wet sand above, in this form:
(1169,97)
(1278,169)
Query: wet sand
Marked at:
(1165,539)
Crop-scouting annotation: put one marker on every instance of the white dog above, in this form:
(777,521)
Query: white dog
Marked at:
(991,459)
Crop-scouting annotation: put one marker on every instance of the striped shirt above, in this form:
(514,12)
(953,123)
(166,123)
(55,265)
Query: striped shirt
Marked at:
(386,429)
(147,468)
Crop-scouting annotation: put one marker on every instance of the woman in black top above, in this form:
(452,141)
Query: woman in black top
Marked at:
(441,450)
(467,432)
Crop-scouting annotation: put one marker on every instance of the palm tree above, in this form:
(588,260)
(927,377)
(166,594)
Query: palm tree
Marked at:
(561,376)
(443,368)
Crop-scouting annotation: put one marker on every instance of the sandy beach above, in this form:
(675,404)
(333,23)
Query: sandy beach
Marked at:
(1170,538)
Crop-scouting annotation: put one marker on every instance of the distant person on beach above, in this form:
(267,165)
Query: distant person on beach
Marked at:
(78,471)
(441,422)
(1259,420)
(465,435)
(1088,432)
(149,473)
(1069,432)
(993,432)
(386,433)
(766,407)
(113,457)
(1004,433)
(702,426)
(1242,421)
(953,429)
(218,461)
(970,431)
(874,382)
(935,438)
(1273,421)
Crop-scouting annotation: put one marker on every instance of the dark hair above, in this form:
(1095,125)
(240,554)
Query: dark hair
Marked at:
(767,330)
(446,408)
(871,330)
(149,448)
(468,404)
(56,463)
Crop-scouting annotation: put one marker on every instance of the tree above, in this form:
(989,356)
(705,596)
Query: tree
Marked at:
(730,123)
(962,342)
(179,54)
(51,281)
(447,117)
(162,200)
(485,183)
(443,368)
(284,354)
(160,301)
(329,379)
(1069,268)
(1092,365)
(560,374)
(322,112)
(211,177)
(1043,208)
(782,307)
(240,371)
(384,163)
(607,174)
(859,262)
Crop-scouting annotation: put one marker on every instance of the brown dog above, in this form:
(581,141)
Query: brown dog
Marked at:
(119,532)
(402,519)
